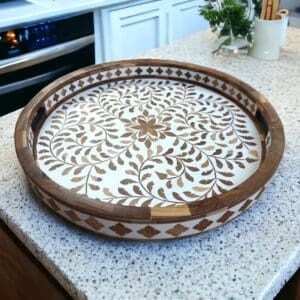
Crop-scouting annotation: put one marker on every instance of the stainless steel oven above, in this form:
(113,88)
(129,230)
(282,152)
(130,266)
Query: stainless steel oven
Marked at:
(35,54)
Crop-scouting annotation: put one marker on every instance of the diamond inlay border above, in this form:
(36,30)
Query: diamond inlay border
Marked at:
(155,231)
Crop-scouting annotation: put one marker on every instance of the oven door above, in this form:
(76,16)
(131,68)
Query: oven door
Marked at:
(23,76)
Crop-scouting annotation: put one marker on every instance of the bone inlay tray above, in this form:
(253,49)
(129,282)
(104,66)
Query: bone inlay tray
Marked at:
(148,149)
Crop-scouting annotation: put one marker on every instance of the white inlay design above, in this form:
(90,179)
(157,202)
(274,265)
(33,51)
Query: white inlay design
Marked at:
(149,143)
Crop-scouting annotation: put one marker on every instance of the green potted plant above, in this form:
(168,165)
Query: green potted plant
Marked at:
(232,20)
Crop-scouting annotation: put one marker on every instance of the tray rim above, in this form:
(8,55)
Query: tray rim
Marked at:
(192,210)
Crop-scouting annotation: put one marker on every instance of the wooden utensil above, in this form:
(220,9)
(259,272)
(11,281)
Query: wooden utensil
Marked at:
(263,9)
(275,8)
(282,13)
(269,10)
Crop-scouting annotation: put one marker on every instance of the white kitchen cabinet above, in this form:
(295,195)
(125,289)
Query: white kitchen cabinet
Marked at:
(184,19)
(136,26)
(134,29)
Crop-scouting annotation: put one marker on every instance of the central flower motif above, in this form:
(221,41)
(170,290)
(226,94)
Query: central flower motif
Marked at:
(147,127)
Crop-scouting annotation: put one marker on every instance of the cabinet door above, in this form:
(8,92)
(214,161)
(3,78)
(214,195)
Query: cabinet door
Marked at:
(184,18)
(21,275)
(134,30)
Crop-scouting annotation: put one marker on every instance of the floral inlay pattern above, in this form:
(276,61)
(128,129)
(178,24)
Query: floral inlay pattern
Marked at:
(144,142)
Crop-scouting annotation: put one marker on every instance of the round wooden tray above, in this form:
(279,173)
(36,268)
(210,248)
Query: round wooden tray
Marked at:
(149,149)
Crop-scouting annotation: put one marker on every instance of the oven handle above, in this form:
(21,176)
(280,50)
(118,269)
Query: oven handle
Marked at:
(39,56)
(11,87)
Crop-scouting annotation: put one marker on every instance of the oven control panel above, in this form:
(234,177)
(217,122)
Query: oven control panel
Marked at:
(37,36)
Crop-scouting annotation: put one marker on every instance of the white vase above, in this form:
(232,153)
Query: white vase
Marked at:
(269,36)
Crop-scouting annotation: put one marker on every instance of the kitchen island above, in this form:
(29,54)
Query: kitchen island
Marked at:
(249,258)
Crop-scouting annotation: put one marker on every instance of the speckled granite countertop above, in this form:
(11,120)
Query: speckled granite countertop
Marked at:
(249,258)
